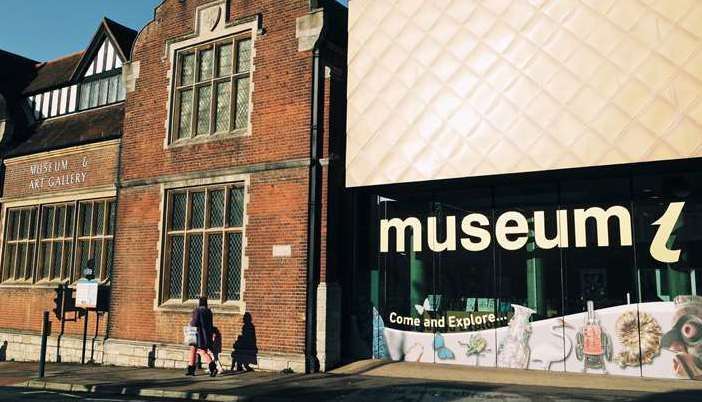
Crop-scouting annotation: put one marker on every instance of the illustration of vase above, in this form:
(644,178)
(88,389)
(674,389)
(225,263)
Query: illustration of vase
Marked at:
(593,345)
(513,351)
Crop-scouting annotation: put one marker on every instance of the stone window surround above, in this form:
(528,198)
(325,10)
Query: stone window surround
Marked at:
(201,36)
(229,307)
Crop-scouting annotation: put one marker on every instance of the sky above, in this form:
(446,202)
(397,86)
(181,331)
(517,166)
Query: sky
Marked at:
(46,29)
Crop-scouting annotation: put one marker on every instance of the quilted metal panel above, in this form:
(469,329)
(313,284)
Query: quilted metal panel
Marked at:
(458,88)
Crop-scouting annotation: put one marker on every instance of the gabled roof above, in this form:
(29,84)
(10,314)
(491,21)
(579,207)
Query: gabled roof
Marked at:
(53,73)
(121,36)
(90,126)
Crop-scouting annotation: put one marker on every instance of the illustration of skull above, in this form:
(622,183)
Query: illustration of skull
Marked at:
(685,338)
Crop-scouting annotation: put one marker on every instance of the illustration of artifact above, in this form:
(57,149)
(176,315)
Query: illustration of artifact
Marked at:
(552,350)
(593,345)
(685,338)
(440,348)
(514,351)
(414,353)
(627,327)
(476,345)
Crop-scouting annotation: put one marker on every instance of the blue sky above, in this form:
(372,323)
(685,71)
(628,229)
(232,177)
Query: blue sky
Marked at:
(47,29)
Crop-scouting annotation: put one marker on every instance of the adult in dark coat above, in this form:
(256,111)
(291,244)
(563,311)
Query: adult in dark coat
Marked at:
(202,320)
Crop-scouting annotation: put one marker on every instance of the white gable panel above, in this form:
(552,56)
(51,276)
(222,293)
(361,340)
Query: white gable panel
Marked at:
(91,69)
(118,62)
(37,106)
(54,102)
(45,104)
(72,99)
(64,100)
(110,62)
(100,59)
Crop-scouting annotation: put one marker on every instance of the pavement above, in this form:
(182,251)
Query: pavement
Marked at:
(366,380)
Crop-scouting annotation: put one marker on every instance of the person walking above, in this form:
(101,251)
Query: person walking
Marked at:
(202,320)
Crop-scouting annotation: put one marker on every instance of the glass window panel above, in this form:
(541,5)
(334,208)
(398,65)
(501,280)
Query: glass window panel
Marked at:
(46,259)
(67,260)
(224,60)
(112,90)
(187,70)
(235,214)
(60,218)
(32,223)
(10,260)
(197,210)
(21,260)
(102,99)
(97,257)
(84,96)
(194,265)
(233,266)
(216,208)
(203,109)
(94,92)
(214,266)
(56,262)
(12,225)
(111,218)
(177,250)
(205,64)
(99,218)
(69,220)
(86,215)
(108,259)
(24,224)
(48,224)
(244,55)
(186,113)
(120,90)
(178,213)
(30,261)
(242,103)
(222,111)
(84,256)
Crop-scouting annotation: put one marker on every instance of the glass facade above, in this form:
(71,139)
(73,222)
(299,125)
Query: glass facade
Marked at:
(462,266)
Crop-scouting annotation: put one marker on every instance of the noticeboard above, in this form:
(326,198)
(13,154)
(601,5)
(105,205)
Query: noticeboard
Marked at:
(86,293)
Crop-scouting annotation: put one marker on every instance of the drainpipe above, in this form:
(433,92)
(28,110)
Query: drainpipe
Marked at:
(314,217)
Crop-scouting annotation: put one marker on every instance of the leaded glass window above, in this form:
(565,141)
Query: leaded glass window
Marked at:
(20,243)
(203,249)
(54,242)
(212,89)
(95,237)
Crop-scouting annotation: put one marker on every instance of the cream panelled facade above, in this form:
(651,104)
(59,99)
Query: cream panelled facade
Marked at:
(445,89)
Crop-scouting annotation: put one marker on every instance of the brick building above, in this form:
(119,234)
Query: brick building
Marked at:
(61,128)
(226,182)
(218,176)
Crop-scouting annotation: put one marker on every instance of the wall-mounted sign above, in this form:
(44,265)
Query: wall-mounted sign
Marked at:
(86,293)
(512,231)
(55,171)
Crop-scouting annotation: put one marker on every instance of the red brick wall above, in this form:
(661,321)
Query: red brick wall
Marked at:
(282,87)
(21,308)
(277,208)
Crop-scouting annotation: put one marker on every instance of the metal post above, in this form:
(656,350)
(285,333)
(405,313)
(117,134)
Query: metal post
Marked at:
(85,336)
(44,336)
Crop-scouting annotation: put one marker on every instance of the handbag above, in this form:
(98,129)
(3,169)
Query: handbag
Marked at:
(189,335)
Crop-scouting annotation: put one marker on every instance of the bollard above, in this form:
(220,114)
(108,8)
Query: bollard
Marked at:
(44,336)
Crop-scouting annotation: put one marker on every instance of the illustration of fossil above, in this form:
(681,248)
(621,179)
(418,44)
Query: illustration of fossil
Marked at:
(627,329)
